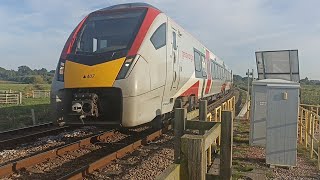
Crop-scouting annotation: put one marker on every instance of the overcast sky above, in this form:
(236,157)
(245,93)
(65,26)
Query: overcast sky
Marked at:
(33,32)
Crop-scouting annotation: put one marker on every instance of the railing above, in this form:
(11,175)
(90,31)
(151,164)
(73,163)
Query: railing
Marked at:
(11,98)
(39,94)
(192,152)
(308,127)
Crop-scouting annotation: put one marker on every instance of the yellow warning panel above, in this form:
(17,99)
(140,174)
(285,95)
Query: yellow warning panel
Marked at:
(83,76)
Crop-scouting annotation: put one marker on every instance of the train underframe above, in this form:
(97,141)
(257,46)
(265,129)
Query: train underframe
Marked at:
(103,106)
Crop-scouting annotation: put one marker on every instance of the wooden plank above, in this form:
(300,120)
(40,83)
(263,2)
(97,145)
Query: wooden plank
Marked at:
(170,173)
(193,158)
(211,135)
(193,114)
(226,145)
(200,125)
(180,115)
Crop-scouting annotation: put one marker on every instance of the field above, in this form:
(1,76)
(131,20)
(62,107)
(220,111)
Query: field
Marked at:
(310,94)
(16,116)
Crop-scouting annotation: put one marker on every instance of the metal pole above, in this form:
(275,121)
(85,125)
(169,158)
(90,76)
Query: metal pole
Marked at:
(248,75)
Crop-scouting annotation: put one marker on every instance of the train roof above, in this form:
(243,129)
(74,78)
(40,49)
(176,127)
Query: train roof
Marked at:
(128,5)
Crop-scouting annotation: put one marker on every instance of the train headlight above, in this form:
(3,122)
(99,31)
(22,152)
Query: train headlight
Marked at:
(61,71)
(125,67)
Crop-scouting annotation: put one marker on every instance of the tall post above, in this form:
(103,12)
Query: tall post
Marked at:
(33,117)
(20,97)
(203,111)
(318,155)
(312,119)
(248,75)
(226,145)
(300,124)
(306,129)
(180,117)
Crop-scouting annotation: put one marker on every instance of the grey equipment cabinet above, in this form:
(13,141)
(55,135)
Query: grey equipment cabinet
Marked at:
(274,117)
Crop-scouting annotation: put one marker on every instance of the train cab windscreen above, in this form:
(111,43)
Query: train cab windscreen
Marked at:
(108,32)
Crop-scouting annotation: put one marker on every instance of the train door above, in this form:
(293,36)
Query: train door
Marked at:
(175,58)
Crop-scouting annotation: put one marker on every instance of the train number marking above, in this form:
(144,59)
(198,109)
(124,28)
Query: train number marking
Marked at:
(88,76)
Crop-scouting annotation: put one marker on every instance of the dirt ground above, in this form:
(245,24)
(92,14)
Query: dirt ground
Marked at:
(249,162)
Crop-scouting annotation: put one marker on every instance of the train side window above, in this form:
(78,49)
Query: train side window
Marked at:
(204,66)
(158,39)
(174,37)
(197,60)
(212,69)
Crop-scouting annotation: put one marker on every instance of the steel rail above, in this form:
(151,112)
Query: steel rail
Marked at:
(21,138)
(102,162)
(12,167)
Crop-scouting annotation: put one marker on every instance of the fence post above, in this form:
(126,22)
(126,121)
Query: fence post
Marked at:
(306,130)
(20,97)
(203,111)
(33,117)
(226,145)
(32,94)
(209,149)
(6,98)
(193,158)
(312,135)
(300,124)
(234,106)
(318,154)
(180,115)
(317,122)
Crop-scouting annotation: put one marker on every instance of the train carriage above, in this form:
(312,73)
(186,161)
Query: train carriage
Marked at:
(128,64)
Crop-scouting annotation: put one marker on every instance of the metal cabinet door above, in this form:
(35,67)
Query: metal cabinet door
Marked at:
(282,113)
(259,115)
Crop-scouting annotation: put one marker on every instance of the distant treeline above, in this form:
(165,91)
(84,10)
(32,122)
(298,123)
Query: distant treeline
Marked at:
(27,75)
(242,81)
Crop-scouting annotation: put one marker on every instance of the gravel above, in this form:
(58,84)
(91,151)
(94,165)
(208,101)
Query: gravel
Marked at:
(145,163)
(45,143)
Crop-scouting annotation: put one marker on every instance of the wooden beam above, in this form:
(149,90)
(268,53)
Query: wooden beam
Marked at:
(211,135)
(193,114)
(200,125)
(226,145)
(172,172)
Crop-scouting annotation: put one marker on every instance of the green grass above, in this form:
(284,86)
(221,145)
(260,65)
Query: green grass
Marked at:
(24,87)
(310,94)
(17,116)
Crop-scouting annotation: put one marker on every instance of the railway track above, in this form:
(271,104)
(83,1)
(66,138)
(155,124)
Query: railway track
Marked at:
(12,138)
(79,159)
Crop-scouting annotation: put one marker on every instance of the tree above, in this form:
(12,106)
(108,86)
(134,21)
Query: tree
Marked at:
(24,71)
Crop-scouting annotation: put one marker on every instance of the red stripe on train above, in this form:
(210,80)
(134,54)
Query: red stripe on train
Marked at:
(194,89)
(75,35)
(208,86)
(150,16)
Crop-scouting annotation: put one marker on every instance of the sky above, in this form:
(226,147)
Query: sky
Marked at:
(33,32)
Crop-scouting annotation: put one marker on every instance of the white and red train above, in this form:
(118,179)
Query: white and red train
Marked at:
(128,64)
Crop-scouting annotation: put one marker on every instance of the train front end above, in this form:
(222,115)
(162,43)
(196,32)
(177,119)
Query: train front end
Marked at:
(99,52)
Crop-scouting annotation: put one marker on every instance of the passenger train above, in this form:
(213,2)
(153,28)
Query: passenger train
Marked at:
(128,64)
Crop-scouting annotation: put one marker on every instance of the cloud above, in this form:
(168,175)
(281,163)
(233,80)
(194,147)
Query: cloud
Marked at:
(33,32)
